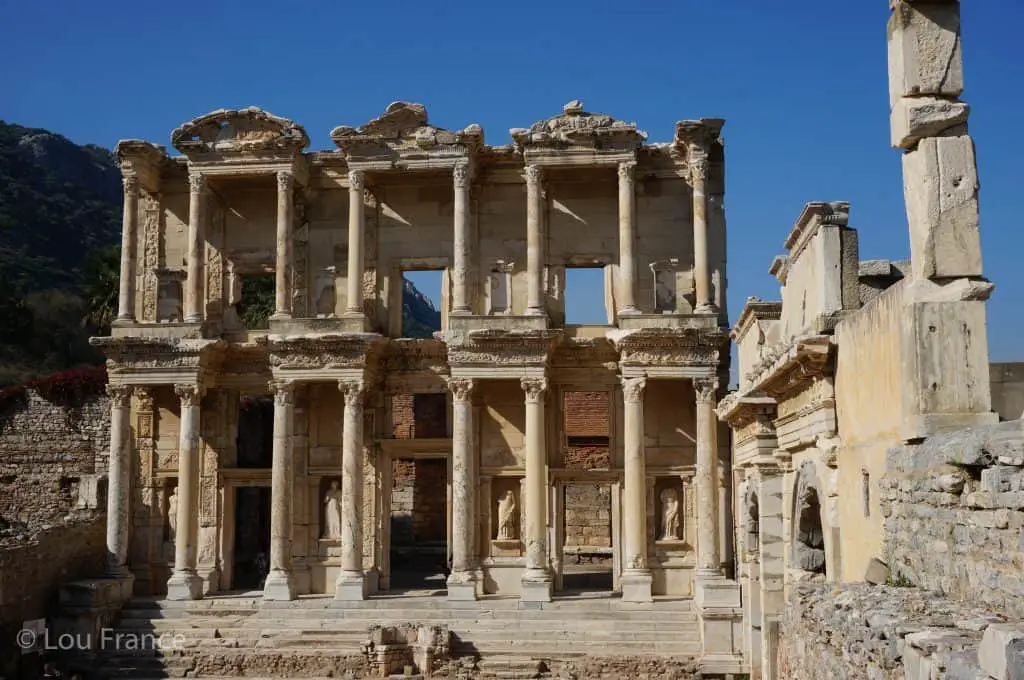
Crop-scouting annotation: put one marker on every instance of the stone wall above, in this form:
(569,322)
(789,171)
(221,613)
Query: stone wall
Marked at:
(1007,390)
(588,522)
(418,502)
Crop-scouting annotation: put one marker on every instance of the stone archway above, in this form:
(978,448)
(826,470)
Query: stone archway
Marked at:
(808,528)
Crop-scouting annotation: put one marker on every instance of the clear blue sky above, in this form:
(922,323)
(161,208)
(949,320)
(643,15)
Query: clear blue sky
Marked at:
(802,85)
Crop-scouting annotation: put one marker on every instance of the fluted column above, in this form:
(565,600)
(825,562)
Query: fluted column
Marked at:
(627,239)
(356,227)
(636,577)
(708,555)
(129,226)
(118,480)
(350,584)
(195,286)
(283,265)
(184,583)
(461,582)
(280,583)
(536,581)
(534,242)
(461,241)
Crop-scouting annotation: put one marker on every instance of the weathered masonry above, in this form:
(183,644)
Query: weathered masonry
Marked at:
(286,439)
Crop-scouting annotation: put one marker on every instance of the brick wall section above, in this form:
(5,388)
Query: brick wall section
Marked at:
(419,500)
(587,414)
(419,415)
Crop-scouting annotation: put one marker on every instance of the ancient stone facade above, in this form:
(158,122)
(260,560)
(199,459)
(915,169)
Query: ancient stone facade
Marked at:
(336,230)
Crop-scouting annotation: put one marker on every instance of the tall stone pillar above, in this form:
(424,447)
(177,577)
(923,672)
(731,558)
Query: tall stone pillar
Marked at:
(709,563)
(129,227)
(185,583)
(536,581)
(119,480)
(636,577)
(462,580)
(280,583)
(461,258)
(351,582)
(195,284)
(535,256)
(356,228)
(627,239)
(697,136)
(283,264)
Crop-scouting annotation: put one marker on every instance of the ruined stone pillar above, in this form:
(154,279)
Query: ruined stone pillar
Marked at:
(356,227)
(129,225)
(708,556)
(461,258)
(350,584)
(697,136)
(534,242)
(462,580)
(536,581)
(280,583)
(195,286)
(636,577)
(185,583)
(283,264)
(627,239)
(119,480)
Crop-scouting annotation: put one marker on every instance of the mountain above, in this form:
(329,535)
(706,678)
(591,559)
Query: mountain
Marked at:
(419,317)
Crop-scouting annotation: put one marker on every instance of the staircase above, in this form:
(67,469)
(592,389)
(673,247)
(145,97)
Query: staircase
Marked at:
(316,637)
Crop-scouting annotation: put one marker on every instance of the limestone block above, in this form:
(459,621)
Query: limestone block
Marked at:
(1001,653)
(940,185)
(914,118)
(877,572)
(924,50)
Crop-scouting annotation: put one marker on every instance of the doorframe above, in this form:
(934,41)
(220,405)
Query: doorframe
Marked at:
(231,479)
(562,477)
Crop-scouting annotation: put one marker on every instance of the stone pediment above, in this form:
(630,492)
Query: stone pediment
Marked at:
(403,130)
(580,129)
(229,131)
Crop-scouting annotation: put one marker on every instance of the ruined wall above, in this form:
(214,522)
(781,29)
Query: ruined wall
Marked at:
(1007,390)
(588,522)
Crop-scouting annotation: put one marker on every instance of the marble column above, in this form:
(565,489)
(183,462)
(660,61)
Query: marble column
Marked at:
(462,580)
(280,583)
(627,239)
(461,258)
(356,228)
(706,485)
(119,480)
(184,583)
(351,582)
(283,264)
(535,256)
(636,576)
(195,286)
(698,136)
(129,227)
(536,581)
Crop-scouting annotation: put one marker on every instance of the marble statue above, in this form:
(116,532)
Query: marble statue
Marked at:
(507,517)
(332,515)
(669,515)
(172,514)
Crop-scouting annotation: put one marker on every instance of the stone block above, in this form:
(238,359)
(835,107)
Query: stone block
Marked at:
(877,572)
(914,118)
(924,50)
(940,185)
(1001,653)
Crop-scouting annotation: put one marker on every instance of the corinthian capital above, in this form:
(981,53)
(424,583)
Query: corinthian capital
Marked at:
(461,388)
(460,175)
(633,390)
(534,388)
(353,391)
(356,180)
(285,180)
(532,173)
(196,182)
(707,390)
(627,170)
(698,166)
(131,183)
(120,395)
(190,395)
(283,391)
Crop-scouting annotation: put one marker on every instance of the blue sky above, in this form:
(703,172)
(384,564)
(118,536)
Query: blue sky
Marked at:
(803,90)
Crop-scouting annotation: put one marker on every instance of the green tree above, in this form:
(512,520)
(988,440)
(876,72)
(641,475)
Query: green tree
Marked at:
(100,289)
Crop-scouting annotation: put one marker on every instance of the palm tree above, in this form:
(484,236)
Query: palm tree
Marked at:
(100,289)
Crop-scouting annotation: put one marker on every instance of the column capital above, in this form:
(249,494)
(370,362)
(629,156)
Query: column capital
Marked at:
(283,391)
(120,395)
(707,390)
(354,391)
(130,182)
(196,182)
(533,175)
(461,388)
(356,180)
(699,167)
(633,389)
(460,175)
(285,180)
(145,397)
(627,170)
(190,395)
(534,388)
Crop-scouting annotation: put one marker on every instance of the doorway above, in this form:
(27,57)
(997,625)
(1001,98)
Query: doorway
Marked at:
(252,537)
(587,555)
(419,525)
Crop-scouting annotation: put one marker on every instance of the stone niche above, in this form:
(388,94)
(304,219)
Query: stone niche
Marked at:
(506,542)
(673,287)
(670,530)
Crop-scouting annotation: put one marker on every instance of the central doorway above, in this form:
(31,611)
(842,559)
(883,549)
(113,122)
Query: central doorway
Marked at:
(587,555)
(252,537)
(419,548)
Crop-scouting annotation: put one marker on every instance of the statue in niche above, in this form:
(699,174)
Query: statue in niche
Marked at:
(332,513)
(507,517)
(669,515)
(172,515)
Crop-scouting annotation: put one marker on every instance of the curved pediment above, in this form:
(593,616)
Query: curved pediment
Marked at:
(239,131)
(404,128)
(576,127)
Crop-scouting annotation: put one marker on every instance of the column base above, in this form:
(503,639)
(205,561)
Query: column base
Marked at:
(713,591)
(193,318)
(637,585)
(184,585)
(533,311)
(629,311)
(535,588)
(350,587)
(279,586)
(461,586)
(125,579)
(123,321)
(211,579)
(707,308)
(281,316)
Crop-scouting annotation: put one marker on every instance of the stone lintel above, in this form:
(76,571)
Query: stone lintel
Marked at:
(740,407)
(213,165)
(754,310)
(672,352)
(309,355)
(553,158)
(788,366)
(142,360)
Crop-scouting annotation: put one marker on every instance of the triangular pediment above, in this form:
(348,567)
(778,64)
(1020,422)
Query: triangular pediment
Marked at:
(404,129)
(575,127)
(239,131)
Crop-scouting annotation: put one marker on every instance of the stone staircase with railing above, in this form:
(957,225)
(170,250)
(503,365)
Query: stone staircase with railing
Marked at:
(243,636)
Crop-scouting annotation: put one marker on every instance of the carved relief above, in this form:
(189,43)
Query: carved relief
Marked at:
(151,212)
(239,131)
